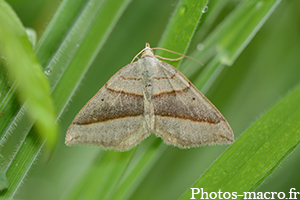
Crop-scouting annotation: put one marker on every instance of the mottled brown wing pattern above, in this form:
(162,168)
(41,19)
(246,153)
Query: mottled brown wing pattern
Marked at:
(184,117)
(113,118)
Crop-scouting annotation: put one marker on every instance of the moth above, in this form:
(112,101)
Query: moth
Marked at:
(144,97)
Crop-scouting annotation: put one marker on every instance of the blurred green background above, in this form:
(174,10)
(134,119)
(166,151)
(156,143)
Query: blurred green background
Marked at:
(266,70)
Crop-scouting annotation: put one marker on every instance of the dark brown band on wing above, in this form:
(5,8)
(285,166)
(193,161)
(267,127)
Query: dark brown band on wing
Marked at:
(173,76)
(125,105)
(121,92)
(157,78)
(134,79)
(172,93)
(179,104)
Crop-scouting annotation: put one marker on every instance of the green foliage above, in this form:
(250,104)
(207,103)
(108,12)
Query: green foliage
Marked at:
(22,66)
(73,68)
(3,180)
(87,41)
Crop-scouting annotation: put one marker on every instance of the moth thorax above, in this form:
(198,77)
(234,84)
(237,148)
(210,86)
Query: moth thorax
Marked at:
(147,52)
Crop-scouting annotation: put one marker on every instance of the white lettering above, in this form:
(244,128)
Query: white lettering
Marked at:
(202,192)
(234,195)
(250,195)
(214,193)
(291,192)
(283,195)
(220,194)
(273,195)
(265,195)
(246,195)
(193,192)
(229,195)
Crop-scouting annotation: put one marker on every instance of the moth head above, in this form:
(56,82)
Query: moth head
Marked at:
(147,51)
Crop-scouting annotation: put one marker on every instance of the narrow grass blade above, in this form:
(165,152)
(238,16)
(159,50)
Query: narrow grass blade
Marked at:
(257,152)
(109,167)
(3,180)
(23,67)
(181,28)
(140,164)
(230,38)
(8,104)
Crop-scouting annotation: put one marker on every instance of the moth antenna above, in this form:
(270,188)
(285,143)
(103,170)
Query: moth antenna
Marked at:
(171,59)
(137,55)
(163,58)
(175,59)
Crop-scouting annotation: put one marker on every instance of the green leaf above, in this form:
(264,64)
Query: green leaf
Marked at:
(3,181)
(23,67)
(230,38)
(8,103)
(180,30)
(67,37)
(109,166)
(253,156)
(31,34)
